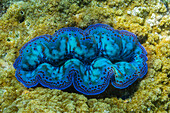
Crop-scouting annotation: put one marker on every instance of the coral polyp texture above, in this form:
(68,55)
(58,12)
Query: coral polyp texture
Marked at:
(89,59)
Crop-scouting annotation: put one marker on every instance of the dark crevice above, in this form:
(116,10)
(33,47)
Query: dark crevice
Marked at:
(21,19)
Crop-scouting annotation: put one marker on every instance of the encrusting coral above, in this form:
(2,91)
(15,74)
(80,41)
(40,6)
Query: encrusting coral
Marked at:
(149,20)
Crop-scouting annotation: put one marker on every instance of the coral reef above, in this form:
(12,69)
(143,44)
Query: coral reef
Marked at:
(148,19)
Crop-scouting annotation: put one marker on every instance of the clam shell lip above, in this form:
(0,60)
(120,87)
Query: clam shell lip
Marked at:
(89,59)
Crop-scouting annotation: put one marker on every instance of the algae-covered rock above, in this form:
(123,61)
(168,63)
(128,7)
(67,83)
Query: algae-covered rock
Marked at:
(21,21)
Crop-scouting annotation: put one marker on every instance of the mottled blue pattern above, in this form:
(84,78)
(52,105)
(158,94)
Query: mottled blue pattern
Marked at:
(89,59)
